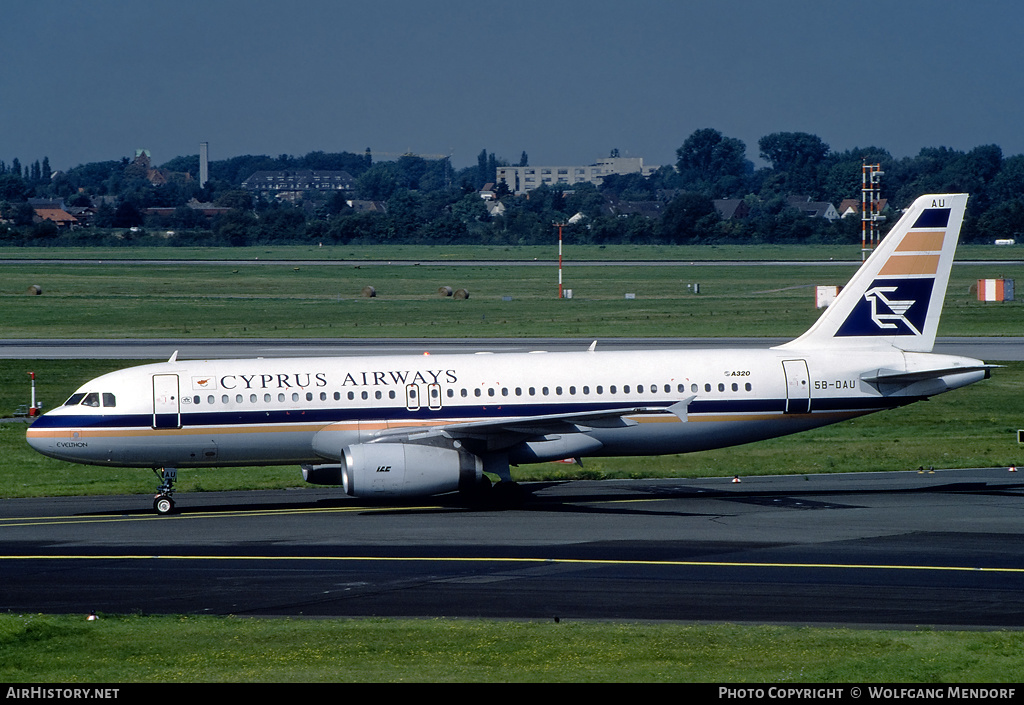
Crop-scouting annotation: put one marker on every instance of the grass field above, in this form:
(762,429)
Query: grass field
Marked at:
(209,300)
(135,649)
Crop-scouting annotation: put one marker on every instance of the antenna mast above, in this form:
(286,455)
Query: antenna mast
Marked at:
(870,201)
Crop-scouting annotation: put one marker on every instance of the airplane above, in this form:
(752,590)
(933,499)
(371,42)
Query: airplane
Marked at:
(393,426)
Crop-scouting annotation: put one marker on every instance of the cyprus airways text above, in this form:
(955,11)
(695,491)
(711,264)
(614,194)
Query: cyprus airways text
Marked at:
(369,378)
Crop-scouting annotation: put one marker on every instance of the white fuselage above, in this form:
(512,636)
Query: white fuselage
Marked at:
(304,410)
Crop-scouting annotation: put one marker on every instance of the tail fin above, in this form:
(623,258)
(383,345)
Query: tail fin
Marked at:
(895,298)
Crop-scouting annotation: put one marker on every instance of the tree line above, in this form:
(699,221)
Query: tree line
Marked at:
(427,201)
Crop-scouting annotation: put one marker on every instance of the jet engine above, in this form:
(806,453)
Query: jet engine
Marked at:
(399,470)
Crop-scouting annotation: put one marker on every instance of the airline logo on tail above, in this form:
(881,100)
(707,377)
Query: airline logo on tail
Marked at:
(897,300)
(890,307)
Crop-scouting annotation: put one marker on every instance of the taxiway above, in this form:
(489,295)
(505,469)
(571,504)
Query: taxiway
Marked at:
(942,549)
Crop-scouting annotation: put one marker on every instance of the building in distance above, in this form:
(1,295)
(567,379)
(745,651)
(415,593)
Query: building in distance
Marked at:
(292,185)
(521,179)
(813,209)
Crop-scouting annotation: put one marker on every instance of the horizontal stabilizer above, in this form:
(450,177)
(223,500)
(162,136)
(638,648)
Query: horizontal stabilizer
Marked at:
(898,377)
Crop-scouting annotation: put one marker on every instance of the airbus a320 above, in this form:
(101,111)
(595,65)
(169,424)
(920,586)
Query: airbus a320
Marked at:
(420,425)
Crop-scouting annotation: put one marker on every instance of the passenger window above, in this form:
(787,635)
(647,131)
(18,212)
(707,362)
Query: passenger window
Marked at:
(747,386)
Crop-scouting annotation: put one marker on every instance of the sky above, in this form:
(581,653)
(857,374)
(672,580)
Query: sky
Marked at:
(566,81)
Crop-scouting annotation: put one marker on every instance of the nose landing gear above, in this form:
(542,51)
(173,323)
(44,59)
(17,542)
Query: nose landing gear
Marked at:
(163,504)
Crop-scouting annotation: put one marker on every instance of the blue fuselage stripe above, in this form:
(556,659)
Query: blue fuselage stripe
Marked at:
(455,413)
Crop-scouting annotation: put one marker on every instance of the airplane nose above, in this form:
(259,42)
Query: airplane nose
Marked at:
(37,441)
(54,441)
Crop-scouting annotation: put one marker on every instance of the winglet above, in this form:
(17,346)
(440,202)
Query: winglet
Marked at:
(895,298)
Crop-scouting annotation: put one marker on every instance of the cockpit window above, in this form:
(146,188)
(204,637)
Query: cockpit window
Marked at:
(92,399)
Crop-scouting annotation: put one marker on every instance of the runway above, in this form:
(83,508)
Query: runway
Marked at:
(881,549)
(991,349)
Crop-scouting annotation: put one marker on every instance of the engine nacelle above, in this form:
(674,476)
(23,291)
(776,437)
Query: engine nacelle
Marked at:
(407,470)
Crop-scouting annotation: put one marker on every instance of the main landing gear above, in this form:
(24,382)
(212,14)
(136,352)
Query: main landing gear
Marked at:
(162,502)
(504,494)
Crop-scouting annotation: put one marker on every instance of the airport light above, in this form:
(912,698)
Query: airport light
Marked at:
(32,410)
(559,226)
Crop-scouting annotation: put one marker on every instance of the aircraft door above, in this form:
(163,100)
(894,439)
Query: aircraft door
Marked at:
(166,404)
(434,396)
(798,386)
(412,397)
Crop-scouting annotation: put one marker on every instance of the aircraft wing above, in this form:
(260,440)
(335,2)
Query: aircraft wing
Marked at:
(516,428)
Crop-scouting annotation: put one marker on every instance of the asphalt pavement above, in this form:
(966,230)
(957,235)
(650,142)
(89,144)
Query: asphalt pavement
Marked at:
(940,549)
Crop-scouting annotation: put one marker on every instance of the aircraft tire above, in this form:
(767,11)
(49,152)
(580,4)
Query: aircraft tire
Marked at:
(163,505)
(508,494)
(478,493)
